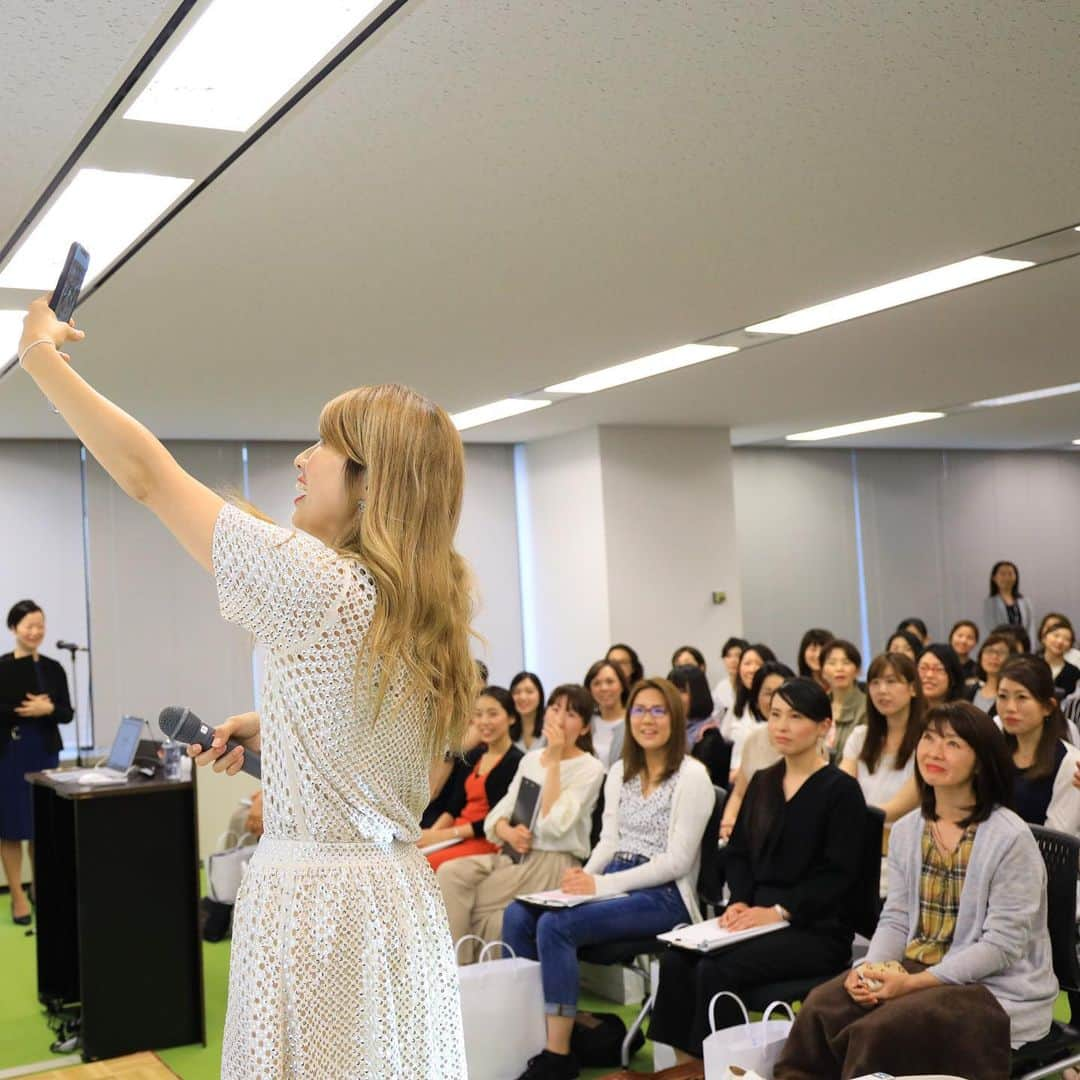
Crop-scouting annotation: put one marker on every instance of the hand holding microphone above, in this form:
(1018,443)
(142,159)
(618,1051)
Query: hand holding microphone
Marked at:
(230,747)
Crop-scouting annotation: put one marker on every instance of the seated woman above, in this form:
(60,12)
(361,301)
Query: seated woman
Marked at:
(940,675)
(993,655)
(965,919)
(476,889)
(693,687)
(758,751)
(740,720)
(489,768)
(963,638)
(794,855)
(840,664)
(1057,640)
(657,802)
(1042,790)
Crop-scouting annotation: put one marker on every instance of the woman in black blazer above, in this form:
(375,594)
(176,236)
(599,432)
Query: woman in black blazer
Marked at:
(33,700)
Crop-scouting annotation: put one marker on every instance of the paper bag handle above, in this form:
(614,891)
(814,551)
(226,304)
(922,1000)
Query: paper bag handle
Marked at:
(466,937)
(768,1012)
(501,944)
(726,993)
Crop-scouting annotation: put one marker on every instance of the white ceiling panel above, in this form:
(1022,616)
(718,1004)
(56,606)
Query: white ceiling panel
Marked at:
(492,197)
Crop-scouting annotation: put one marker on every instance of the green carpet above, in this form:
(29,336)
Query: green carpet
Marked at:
(25,1038)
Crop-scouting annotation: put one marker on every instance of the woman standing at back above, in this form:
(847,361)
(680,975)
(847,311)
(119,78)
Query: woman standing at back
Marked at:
(364,612)
(1006,604)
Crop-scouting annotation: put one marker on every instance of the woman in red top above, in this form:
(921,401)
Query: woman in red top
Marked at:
(491,767)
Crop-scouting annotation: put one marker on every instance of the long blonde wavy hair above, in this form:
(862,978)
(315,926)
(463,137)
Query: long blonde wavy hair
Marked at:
(410,454)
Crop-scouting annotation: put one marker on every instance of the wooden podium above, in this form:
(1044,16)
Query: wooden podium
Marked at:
(116,882)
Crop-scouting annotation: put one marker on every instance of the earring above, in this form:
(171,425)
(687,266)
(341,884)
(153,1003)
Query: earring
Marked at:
(361,506)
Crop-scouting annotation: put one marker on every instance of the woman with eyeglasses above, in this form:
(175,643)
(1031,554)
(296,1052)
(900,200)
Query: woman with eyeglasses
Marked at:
(940,675)
(657,802)
(794,855)
(993,655)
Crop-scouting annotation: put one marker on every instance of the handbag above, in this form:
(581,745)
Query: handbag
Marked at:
(502,1013)
(597,1039)
(225,869)
(752,1047)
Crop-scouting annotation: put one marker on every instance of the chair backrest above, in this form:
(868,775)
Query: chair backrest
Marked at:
(710,885)
(866,898)
(1061,853)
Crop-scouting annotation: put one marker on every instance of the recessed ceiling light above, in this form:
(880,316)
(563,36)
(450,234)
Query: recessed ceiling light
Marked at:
(838,432)
(1029,395)
(240,57)
(11,323)
(917,287)
(104,211)
(642,368)
(497,410)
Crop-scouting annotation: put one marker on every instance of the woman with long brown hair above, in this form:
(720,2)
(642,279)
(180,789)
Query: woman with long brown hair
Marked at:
(364,611)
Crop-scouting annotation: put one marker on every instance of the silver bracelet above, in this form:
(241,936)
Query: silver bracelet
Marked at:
(34,344)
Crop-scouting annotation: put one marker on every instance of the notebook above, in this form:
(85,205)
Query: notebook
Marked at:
(439,845)
(709,936)
(525,809)
(556,898)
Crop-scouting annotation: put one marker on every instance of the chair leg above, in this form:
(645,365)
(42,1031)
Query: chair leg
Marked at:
(637,1025)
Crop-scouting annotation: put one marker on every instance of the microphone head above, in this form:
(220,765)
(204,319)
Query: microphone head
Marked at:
(171,718)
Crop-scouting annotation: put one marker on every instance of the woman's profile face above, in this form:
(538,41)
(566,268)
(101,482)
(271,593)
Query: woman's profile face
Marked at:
(322,506)
(30,632)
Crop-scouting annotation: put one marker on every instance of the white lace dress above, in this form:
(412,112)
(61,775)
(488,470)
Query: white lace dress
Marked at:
(342,965)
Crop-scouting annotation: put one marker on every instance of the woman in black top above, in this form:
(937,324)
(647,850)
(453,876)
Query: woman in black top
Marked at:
(33,700)
(794,855)
(1057,638)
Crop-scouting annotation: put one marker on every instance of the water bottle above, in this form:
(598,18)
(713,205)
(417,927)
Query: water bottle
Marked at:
(173,753)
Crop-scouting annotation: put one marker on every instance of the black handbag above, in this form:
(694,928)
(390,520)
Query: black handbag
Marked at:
(215,919)
(597,1039)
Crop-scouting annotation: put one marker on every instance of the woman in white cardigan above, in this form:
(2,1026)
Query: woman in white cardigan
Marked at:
(657,803)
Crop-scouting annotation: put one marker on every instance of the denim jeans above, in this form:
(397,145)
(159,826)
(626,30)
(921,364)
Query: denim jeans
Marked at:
(553,937)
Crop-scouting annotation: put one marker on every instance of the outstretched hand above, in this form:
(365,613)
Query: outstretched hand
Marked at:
(41,323)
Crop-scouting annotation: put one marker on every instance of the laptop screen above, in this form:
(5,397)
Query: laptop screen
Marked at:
(125,744)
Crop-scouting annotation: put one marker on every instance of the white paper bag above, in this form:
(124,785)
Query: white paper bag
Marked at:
(225,870)
(502,1010)
(754,1047)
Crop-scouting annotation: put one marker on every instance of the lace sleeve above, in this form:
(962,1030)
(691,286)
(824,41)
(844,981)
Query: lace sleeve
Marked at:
(282,586)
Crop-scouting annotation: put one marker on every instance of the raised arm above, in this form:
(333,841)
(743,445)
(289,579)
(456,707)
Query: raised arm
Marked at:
(125,449)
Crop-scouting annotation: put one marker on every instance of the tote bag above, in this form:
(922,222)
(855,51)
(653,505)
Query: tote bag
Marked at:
(225,869)
(754,1047)
(502,1012)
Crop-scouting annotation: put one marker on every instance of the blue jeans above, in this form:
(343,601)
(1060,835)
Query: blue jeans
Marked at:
(554,937)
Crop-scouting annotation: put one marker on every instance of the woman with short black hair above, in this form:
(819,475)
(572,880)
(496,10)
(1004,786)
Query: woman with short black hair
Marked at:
(840,665)
(740,720)
(961,947)
(963,638)
(809,662)
(687,654)
(693,687)
(1057,638)
(29,738)
(916,627)
(940,675)
(628,661)
(1005,603)
(724,691)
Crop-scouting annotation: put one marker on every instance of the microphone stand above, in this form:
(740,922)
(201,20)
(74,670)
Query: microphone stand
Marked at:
(71,648)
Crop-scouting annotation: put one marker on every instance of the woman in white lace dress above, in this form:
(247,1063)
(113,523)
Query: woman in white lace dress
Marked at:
(341,964)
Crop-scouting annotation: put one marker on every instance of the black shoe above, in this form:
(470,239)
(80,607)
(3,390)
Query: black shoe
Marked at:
(20,920)
(551,1066)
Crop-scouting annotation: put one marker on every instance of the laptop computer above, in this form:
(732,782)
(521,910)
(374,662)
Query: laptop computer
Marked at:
(116,765)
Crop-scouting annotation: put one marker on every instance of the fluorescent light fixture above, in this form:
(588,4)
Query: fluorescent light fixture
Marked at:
(1029,395)
(104,211)
(10,331)
(860,426)
(242,56)
(1076,442)
(497,410)
(918,287)
(642,368)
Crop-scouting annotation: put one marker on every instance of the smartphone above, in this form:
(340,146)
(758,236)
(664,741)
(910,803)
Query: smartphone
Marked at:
(66,294)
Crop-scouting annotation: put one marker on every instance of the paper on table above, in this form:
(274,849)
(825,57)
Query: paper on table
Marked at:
(556,898)
(708,936)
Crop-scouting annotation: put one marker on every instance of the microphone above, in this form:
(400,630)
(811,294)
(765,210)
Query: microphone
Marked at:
(71,647)
(181,725)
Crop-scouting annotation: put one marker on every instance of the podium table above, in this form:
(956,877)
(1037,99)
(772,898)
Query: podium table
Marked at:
(116,882)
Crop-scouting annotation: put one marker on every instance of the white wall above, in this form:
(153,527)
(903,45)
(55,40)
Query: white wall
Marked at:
(42,544)
(670,532)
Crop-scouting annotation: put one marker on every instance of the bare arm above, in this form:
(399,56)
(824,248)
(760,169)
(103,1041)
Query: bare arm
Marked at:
(128,452)
(850,766)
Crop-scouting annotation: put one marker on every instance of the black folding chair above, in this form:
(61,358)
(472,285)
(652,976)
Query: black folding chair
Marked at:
(1048,1056)
(637,953)
(867,904)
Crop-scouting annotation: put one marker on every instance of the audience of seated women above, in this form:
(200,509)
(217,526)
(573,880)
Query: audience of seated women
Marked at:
(657,802)
(1057,640)
(965,918)
(1043,793)
(809,661)
(528,693)
(491,766)
(758,750)
(476,889)
(963,638)
(840,664)
(607,684)
(793,856)
(994,652)
(940,675)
